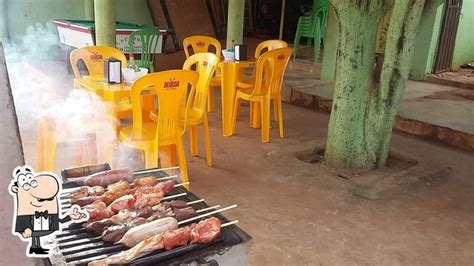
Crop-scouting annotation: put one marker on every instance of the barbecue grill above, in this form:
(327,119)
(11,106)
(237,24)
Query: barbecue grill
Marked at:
(75,245)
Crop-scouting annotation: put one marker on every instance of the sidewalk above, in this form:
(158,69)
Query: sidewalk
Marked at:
(428,110)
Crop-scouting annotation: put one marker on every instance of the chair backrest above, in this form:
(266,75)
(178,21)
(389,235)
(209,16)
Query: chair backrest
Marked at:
(201,44)
(270,70)
(269,45)
(280,63)
(205,64)
(320,14)
(263,74)
(93,57)
(149,40)
(170,87)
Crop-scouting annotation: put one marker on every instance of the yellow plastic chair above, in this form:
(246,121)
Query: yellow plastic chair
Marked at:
(201,44)
(93,57)
(170,88)
(269,72)
(48,137)
(261,48)
(205,64)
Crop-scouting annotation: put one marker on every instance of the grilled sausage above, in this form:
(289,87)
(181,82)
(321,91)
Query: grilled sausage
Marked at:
(144,231)
(106,178)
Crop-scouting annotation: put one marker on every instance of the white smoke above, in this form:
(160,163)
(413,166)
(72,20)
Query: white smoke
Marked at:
(43,91)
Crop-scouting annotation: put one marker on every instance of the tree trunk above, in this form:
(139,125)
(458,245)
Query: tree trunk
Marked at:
(363,110)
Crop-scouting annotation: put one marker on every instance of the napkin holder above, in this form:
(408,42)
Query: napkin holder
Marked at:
(240,52)
(113,70)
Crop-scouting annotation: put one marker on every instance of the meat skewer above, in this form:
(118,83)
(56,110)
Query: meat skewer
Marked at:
(98,210)
(128,215)
(122,188)
(203,232)
(139,233)
(139,228)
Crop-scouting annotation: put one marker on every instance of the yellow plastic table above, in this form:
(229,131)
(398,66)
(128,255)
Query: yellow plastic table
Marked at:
(230,71)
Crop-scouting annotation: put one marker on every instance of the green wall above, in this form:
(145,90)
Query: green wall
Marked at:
(464,46)
(426,43)
(24,13)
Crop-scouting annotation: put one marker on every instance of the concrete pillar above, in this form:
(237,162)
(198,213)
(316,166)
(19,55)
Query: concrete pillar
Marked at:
(328,68)
(3,20)
(105,22)
(235,23)
(89,9)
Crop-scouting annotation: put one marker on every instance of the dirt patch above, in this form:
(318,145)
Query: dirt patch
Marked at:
(400,175)
(395,163)
(455,95)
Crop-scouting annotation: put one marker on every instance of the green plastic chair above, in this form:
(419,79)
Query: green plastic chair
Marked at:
(149,38)
(313,28)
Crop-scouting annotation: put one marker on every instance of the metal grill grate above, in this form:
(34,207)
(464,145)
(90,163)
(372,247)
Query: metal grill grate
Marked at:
(74,245)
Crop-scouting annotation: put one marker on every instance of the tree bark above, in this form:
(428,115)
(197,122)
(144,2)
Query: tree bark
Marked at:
(349,137)
(363,110)
(399,50)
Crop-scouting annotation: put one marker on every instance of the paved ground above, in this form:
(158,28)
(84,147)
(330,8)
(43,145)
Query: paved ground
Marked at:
(438,105)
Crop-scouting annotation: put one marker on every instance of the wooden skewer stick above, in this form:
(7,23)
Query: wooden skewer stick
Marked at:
(207,214)
(208,209)
(196,201)
(181,184)
(147,171)
(67,191)
(230,223)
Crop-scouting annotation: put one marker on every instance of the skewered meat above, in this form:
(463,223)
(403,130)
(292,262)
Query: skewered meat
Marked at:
(122,188)
(206,231)
(139,233)
(114,233)
(118,186)
(145,181)
(85,191)
(109,177)
(110,196)
(149,199)
(185,213)
(126,214)
(97,211)
(203,232)
(124,202)
(138,221)
(85,200)
(99,226)
(177,204)
(134,221)
(161,214)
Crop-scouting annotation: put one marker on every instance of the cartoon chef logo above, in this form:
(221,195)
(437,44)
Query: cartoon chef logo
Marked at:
(37,209)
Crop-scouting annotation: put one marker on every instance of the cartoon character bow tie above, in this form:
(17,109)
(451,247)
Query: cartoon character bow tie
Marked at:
(44,214)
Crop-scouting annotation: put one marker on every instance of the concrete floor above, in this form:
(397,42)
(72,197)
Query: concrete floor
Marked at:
(420,101)
(298,213)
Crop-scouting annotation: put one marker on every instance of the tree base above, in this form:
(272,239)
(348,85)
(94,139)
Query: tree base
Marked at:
(394,164)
